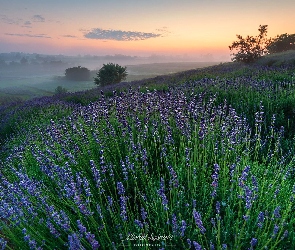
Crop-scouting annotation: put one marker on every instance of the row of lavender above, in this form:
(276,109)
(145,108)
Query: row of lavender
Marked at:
(173,169)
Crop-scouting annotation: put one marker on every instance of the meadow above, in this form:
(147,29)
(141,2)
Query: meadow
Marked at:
(201,159)
(27,82)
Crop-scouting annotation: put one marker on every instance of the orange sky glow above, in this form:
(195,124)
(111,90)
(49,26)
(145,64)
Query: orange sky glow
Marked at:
(189,28)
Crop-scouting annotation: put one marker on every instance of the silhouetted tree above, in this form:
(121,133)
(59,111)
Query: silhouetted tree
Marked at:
(110,73)
(282,43)
(78,74)
(250,48)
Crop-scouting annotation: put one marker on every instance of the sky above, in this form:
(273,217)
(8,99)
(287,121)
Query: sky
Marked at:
(179,28)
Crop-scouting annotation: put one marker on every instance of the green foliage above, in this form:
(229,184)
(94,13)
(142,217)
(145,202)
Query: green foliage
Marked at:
(283,42)
(78,74)
(250,48)
(60,90)
(109,74)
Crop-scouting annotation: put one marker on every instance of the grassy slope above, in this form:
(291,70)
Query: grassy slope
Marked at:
(27,115)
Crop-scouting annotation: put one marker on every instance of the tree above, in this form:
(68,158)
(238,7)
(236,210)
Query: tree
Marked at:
(60,90)
(250,48)
(78,74)
(282,43)
(109,74)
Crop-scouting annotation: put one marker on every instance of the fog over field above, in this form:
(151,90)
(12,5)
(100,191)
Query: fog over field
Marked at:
(25,76)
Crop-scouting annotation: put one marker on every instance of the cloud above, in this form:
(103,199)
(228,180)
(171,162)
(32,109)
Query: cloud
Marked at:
(119,35)
(28,35)
(27,24)
(38,18)
(8,20)
(70,36)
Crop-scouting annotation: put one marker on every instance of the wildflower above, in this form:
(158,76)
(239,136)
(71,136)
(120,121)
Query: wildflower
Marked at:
(275,231)
(253,242)
(182,228)
(96,175)
(138,223)
(124,170)
(276,212)
(143,214)
(285,235)
(91,239)
(244,176)
(215,179)
(198,221)
(189,243)
(173,180)
(123,208)
(174,224)
(218,207)
(246,217)
(81,228)
(260,219)
(74,242)
(120,187)
(52,229)
(224,246)
(161,193)
(197,246)
(98,208)
(211,246)
(3,243)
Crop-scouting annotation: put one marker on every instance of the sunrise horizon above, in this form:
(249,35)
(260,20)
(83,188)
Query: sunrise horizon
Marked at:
(165,28)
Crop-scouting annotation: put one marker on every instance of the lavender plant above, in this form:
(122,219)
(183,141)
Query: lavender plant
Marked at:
(176,169)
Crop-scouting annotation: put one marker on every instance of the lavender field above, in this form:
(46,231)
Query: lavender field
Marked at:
(202,159)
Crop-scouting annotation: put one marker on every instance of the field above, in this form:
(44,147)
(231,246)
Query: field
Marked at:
(199,159)
(21,86)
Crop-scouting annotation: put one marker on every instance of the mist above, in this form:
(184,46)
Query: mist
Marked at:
(24,76)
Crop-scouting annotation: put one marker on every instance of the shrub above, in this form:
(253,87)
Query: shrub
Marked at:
(60,90)
(281,43)
(109,74)
(78,74)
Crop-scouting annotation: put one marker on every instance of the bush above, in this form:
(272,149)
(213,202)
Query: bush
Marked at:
(109,74)
(78,74)
(281,43)
(60,90)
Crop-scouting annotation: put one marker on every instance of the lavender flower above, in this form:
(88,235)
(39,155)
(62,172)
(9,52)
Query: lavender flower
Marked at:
(81,228)
(124,170)
(161,193)
(189,243)
(197,246)
(3,243)
(182,228)
(52,229)
(143,214)
(215,179)
(244,176)
(260,219)
(120,187)
(74,242)
(198,221)
(276,212)
(253,242)
(123,208)
(138,223)
(174,224)
(91,239)
(275,231)
(173,181)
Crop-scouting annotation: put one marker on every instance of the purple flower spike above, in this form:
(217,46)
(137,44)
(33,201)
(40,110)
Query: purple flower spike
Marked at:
(198,221)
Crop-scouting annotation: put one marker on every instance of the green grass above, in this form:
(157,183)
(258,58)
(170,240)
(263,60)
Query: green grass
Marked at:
(193,158)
